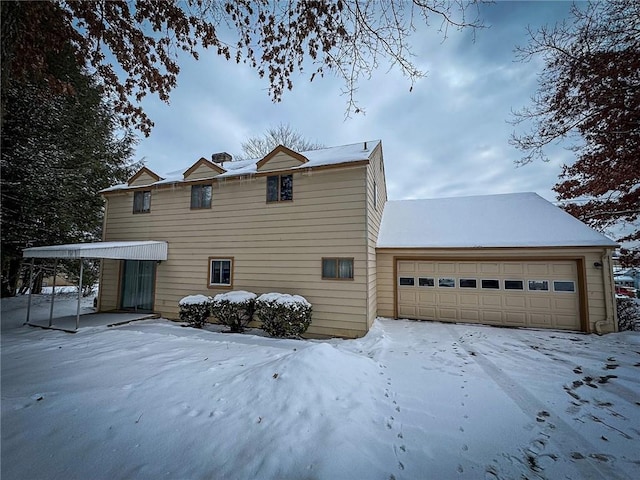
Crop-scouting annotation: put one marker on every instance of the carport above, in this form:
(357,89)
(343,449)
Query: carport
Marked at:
(133,250)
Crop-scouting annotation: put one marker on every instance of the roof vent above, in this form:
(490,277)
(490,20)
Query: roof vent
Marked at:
(365,146)
(221,157)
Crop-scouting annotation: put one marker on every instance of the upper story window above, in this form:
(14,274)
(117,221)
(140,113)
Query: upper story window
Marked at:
(142,202)
(279,188)
(375,194)
(200,196)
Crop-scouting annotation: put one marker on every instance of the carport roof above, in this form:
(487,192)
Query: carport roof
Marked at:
(507,220)
(139,250)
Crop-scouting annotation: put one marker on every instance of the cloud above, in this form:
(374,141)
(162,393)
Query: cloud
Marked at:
(448,137)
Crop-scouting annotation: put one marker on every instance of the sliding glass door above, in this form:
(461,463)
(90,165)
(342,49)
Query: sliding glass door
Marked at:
(138,281)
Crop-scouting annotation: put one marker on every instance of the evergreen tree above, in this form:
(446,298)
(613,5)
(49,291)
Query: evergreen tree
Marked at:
(58,150)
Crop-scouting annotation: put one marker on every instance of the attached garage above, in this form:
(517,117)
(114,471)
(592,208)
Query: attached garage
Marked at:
(509,260)
(527,293)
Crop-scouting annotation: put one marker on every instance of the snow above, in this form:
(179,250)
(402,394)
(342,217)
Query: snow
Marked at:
(194,300)
(410,400)
(283,299)
(506,220)
(236,296)
(353,152)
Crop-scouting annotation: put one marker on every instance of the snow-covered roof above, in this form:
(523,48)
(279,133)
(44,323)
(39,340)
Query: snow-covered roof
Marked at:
(142,250)
(507,220)
(344,154)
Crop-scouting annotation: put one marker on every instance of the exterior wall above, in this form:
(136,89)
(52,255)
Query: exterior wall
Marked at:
(375,180)
(203,171)
(109,285)
(597,281)
(143,179)
(275,247)
(280,161)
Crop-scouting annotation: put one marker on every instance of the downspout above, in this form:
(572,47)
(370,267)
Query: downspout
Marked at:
(609,308)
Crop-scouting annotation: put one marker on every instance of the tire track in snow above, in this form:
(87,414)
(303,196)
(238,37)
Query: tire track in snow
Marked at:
(563,434)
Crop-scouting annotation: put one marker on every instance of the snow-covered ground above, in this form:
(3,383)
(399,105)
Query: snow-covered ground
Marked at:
(411,400)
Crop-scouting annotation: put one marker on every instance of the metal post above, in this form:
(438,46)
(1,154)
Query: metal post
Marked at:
(79,294)
(30,290)
(53,290)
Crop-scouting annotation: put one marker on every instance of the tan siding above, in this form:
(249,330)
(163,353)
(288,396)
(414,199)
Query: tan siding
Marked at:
(376,185)
(108,293)
(281,161)
(276,246)
(143,179)
(600,316)
(203,171)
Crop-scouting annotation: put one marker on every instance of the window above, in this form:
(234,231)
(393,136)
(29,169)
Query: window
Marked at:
(426,282)
(491,284)
(513,285)
(447,282)
(200,196)
(279,188)
(468,283)
(375,195)
(142,202)
(220,272)
(337,268)
(407,281)
(539,285)
(563,286)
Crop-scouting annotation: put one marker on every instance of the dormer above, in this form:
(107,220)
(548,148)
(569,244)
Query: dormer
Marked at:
(144,176)
(281,158)
(203,168)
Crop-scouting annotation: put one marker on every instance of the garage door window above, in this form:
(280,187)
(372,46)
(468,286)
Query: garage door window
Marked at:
(468,283)
(513,285)
(491,284)
(407,281)
(426,282)
(539,285)
(447,282)
(564,286)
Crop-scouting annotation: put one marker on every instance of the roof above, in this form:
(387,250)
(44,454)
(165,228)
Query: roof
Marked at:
(143,250)
(507,220)
(344,154)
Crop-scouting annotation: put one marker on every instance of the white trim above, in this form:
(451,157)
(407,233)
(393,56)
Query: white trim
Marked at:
(144,250)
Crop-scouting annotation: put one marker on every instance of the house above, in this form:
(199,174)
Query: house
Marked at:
(627,277)
(318,224)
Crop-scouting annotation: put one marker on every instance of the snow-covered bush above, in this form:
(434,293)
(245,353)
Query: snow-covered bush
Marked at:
(234,309)
(283,315)
(628,313)
(195,309)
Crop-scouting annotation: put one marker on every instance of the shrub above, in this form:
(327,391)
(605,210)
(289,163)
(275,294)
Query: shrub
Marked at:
(234,309)
(195,309)
(628,313)
(283,315)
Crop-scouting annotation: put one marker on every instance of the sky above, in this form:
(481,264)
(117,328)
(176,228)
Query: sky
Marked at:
(447,137)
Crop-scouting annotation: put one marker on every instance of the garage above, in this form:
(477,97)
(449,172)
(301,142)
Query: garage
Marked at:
(540,294)
(511,260)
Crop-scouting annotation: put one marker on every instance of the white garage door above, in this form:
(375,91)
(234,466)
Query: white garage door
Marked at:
(542,294)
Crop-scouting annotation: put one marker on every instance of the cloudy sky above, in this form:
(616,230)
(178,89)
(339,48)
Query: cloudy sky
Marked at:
(448,137)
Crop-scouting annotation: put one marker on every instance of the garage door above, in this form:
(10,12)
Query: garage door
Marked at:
(542,294)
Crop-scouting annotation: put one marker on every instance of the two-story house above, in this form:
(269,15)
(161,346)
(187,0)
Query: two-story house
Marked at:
(303,223)
(318,224)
